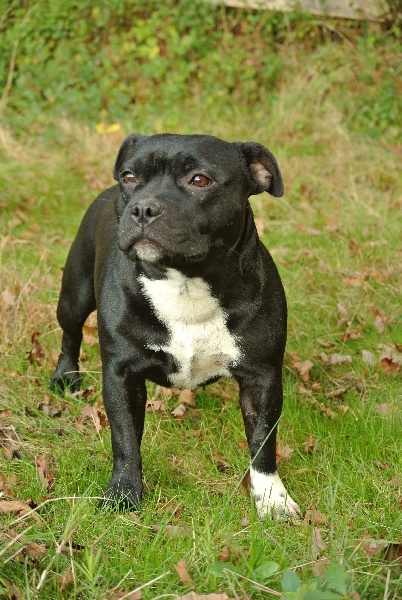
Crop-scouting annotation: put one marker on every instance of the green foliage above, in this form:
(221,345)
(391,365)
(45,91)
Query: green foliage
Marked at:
(114,60)
(334,586)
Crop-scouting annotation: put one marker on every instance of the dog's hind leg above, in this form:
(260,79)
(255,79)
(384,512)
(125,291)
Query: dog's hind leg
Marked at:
(77,301)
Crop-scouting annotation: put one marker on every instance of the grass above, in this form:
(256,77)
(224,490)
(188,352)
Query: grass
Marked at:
(336,239)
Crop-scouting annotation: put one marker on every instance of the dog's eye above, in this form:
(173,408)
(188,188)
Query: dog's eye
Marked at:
(200,181)
(129,177)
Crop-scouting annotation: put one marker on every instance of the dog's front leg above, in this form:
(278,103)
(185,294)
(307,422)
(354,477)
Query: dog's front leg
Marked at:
(261,403)
(124,396)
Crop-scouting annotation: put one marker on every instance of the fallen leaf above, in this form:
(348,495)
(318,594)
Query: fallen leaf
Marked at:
(17,507)
(7,301)
(390,358)
(10,444)
(65,579)
(308,446)
(317,543)
(50,408)
(37,353)
(181,569)
(245,483)
(368,358)
(338,392)
(314,516)
(283,453)
(224,554)
(371,547)
(380,321)
(343,314)
(7,484)
(187,397)
(179,411)
(97,415)
(323,343)
(383,410)
(155,406)
(34,550)
(13,592)
(389,366)
(351,334)
(335,359)
(44,472)
(301,367)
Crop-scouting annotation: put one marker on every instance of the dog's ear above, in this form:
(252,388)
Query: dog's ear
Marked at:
(125,150)
(263,168)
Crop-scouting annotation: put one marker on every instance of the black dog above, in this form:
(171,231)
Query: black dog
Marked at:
(185,293)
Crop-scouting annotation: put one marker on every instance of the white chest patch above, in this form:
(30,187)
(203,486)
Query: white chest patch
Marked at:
(199,339)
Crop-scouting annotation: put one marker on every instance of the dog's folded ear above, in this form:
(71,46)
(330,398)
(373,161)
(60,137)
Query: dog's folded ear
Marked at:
(263,168)
(125,150)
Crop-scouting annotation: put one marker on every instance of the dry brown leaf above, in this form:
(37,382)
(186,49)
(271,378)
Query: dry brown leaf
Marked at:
(34,550)
(9,442)
(283,453)
(224,554)
(308,446)
(44,472)
(6,483)
(369,358)
(343,314)
(323,343)
(390,358)
(88,335)
(383,410)
(317,543)
(314,516)
(49,408)
(37,353)
(184,575)
(371,547)
(335,359)
(7,300)
(351,334)
(13,592)
(17,507)
(155,406)
(187,397)
(65,579)
(179,411)
(380,321)
(245,484)
(97,415)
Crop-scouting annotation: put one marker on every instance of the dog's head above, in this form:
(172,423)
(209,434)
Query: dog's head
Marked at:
(182,196)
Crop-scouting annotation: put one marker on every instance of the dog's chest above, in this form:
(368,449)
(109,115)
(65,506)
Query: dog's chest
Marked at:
(199,339)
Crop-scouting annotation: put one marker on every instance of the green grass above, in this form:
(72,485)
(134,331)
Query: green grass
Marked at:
(336,238)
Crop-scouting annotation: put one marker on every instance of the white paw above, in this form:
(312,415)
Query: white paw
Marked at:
(271,497)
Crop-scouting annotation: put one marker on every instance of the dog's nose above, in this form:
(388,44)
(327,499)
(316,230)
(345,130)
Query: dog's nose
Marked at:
(144,213)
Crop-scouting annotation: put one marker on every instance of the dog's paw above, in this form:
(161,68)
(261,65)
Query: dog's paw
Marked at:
(271,497)
(121,496)
(60,383)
